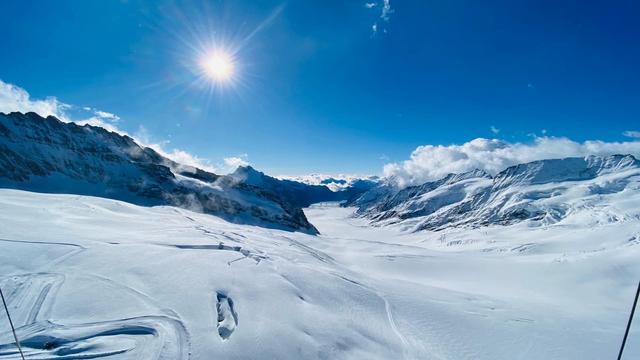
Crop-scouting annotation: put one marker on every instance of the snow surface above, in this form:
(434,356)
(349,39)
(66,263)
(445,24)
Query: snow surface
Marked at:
(88,277)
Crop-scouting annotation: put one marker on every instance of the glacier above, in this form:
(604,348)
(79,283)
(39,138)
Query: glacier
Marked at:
(89,277)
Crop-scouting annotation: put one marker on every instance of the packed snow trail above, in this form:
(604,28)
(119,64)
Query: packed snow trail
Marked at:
(98,278)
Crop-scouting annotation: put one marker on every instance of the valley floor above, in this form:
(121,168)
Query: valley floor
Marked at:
(95,278)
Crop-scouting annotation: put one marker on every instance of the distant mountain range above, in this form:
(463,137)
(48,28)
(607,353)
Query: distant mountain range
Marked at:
(304,193)
(542,192)
(336,182)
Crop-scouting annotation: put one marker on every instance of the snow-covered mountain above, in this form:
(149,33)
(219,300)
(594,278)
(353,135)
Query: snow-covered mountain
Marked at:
(296,193)
(541,192)
(303,193)
(47,155)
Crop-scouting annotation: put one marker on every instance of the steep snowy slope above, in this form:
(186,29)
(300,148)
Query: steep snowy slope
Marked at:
(541,192)
(47,155)
(96,278)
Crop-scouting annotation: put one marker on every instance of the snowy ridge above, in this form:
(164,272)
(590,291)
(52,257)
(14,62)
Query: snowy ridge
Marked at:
(540,192)
(47,155)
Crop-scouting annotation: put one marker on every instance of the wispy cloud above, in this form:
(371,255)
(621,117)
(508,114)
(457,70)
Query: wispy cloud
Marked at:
(233,162)
(107,116)
(386,10)
(494,129)
(430,162)
(143,137)
(632,134)
(383,17)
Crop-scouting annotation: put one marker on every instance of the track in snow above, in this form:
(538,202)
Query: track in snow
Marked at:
(227,316)
(30,298)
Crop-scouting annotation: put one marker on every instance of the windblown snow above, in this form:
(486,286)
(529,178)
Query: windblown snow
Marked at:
(89,277)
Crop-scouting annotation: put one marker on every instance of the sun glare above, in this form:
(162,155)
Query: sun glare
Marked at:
(218,66)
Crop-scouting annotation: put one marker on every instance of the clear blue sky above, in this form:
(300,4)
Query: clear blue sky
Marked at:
(317,90)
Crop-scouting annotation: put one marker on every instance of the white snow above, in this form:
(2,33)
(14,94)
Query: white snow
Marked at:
(97,278)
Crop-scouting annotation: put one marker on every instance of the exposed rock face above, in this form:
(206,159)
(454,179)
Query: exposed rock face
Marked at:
(543,191)
(47,155)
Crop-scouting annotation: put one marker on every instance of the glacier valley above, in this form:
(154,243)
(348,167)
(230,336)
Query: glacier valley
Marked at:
(89,277)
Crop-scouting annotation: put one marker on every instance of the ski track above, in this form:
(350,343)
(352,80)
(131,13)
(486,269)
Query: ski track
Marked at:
(147,337)
(221,247)
(28,294)
(387,308)
(30,298)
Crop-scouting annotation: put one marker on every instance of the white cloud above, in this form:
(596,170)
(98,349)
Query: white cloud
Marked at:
(431,162)
(96,121)
(386,10)
(494,129)
(107,116)
(14,98)
(143,138)
(233,162)
(185,158)
(385,15)
(632,134)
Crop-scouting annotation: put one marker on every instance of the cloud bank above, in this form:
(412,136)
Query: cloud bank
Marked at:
(432,162)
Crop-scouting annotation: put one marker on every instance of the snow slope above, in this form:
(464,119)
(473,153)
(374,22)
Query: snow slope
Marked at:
(96,278)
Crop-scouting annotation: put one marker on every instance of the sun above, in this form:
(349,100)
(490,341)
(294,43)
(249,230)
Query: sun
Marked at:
(218,66)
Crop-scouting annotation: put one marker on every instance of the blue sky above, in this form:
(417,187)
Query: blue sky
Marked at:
(317,90)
